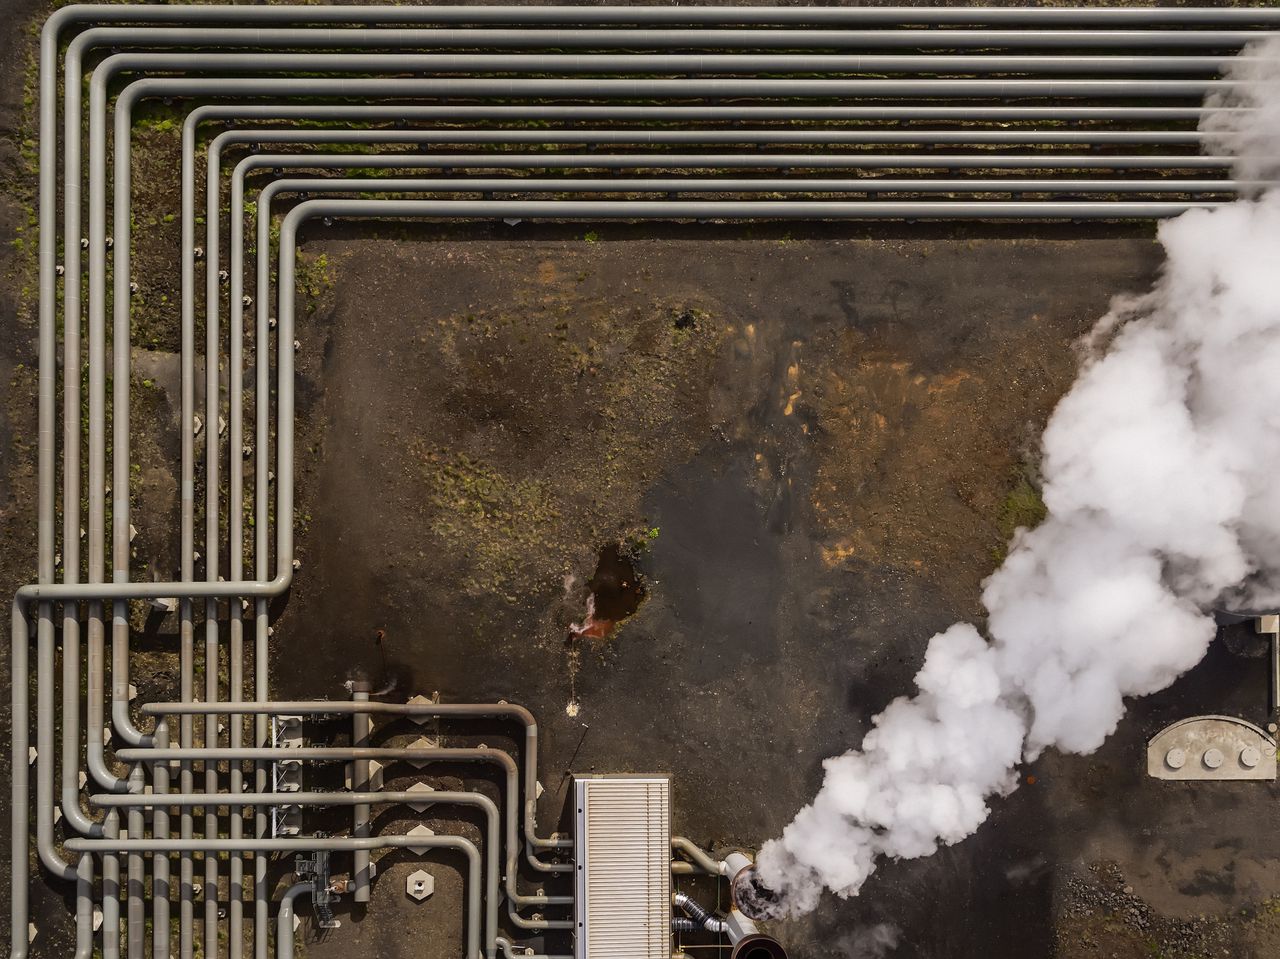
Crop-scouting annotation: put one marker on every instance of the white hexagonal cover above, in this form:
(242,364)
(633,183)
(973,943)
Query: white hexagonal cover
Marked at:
(420,788)
(419,831)
(420,885)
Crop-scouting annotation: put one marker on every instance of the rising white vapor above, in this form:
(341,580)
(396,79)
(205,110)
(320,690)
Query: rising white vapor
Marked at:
(1160,470)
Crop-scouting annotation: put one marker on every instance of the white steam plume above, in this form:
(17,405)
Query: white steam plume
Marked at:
(869,942)
(1160,470)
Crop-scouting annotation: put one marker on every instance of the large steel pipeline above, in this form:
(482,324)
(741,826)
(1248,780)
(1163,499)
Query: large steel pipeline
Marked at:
(185,589)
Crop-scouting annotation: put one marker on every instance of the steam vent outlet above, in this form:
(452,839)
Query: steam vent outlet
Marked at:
(752,897)
(758,946)
(752,900)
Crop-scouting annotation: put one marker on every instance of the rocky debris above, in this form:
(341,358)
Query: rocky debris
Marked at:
(1099,914)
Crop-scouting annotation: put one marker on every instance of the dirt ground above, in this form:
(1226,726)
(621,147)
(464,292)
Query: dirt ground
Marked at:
(808,446)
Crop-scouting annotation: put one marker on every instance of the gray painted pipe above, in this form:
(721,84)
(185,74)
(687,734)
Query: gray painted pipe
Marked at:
(284,919)
(625,38)
(439,63)
(345,754)
(641,88)
(714,185)
(689,848)
(573,135)
(160,864)
(646,114)
(790,161)
(771,15)
(362,728)
(110,885)
(134,878)
(84,907)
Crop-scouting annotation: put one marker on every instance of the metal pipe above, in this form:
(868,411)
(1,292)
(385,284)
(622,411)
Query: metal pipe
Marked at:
(110,885)
(719,113)
(572,135)
(213,437)
(809,63)
(643,88)
(49,856)
(84,907)
(186,611)
(630,38)
(696,853)
(160,890)
(362,727)
(134,880)
(19,810)
(695,161)
(1110,17)
(284,919)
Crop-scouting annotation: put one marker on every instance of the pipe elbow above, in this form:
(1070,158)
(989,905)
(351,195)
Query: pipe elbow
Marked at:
(280,585)
(521,713)
(52,861)
(123,724)
(75,816)
(295,218)
(503,759)
(103,776)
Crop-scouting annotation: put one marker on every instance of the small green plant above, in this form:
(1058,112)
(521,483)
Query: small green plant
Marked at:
(592,236)
(1023,507)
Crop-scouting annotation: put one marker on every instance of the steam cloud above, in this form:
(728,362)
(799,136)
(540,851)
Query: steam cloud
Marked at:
(869,942)
(1159,471)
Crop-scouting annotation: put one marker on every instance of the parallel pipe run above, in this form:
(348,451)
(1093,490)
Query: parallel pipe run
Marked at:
(1176,65)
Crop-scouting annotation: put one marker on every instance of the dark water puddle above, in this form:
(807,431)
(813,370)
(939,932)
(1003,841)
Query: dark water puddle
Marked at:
(616,592)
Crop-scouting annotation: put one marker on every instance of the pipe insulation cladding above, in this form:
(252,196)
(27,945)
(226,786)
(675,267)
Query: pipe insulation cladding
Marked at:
(576,113)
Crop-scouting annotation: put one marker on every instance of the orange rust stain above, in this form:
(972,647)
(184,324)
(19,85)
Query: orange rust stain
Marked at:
(548,272)
(837,554)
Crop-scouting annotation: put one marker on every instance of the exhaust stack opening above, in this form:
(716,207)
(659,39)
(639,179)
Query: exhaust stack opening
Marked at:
(752,897)
(758,946)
